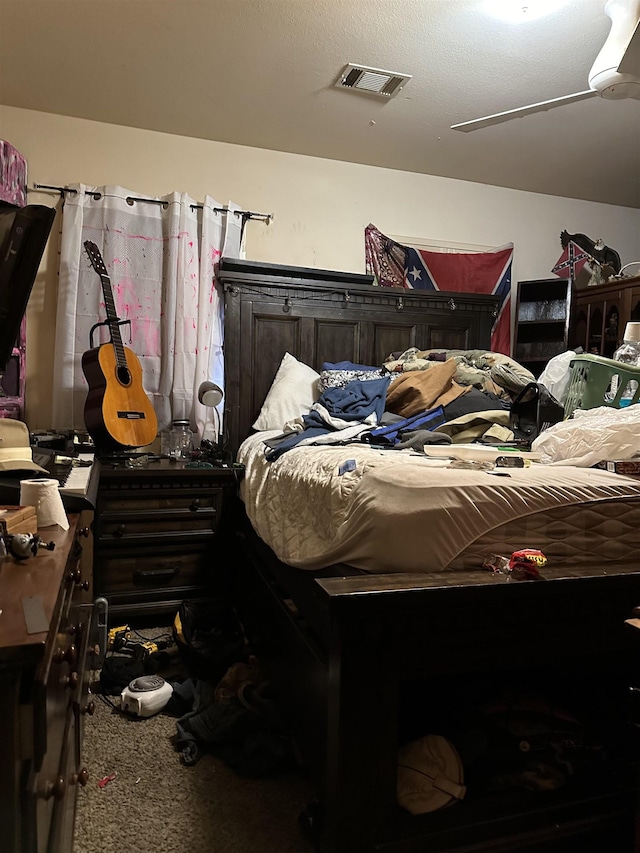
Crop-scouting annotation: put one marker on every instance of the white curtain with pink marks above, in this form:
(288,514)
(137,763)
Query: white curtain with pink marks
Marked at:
(161,256)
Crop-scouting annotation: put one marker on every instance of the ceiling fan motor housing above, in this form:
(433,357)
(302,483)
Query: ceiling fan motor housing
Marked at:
(615,86)
(609,76)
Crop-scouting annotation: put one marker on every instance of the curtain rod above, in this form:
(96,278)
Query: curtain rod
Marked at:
(245,214)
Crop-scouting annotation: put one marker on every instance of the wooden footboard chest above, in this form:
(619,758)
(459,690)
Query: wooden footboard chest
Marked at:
(359,660)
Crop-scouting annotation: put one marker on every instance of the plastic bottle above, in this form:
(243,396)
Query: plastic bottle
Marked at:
(628,353)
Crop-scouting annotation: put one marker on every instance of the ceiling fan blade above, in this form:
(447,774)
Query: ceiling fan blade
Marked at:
(543,106)
(630,62)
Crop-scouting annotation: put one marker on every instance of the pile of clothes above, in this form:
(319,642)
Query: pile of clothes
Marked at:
(415,398)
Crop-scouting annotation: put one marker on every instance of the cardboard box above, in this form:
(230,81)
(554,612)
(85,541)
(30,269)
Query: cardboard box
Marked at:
(18,519)
(628,467)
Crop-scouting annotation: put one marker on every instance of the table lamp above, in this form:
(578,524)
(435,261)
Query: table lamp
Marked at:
(210,394)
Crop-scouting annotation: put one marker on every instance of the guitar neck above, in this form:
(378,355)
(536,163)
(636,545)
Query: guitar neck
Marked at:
(112,319)
(112,315)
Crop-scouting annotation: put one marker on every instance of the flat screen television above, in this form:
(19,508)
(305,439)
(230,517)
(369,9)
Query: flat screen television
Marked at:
(24,232)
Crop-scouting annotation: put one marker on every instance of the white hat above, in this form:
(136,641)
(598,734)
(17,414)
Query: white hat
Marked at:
(430,775)
(15,449)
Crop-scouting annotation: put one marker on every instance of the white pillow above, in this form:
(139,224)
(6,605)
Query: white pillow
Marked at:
(292,393)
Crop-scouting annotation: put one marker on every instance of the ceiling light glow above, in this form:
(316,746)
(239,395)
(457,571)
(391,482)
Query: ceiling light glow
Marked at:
(521,11)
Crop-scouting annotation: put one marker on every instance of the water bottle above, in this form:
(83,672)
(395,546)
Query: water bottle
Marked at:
(180,440)
(628,353)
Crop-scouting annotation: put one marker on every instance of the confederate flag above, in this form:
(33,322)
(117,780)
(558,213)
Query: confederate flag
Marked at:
(463,272)
(571,261)
(468,272)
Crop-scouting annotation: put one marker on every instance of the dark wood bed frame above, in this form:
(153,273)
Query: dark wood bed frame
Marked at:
(344,649)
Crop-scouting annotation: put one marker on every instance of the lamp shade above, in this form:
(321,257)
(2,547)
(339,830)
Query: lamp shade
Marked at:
(632,332)
(210,394)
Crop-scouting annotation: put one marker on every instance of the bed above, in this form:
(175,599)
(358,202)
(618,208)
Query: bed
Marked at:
(364,653)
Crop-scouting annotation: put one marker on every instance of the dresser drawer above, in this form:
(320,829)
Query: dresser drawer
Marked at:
(143,570)
(122,531)
(159,502)
(126,522)
(71,777)
(52,791)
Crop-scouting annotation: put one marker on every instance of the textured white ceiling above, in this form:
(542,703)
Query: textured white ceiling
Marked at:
(262,73)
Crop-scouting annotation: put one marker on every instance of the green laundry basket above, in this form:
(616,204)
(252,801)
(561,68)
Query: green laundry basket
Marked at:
(590,383)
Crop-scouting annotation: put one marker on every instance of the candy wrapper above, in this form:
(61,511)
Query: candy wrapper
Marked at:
(522,565)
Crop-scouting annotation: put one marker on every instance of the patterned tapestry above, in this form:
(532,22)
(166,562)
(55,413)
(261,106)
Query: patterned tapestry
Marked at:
(13,175)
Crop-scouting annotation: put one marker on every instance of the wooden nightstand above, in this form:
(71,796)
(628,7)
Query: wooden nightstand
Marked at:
(159,534)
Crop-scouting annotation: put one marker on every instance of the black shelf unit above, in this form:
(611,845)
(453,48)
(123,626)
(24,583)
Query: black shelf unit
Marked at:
(543,311)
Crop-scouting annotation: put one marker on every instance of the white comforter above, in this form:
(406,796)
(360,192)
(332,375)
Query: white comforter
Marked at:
(396,510)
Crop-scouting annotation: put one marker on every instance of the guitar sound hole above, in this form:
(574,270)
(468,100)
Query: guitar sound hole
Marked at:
(124,377)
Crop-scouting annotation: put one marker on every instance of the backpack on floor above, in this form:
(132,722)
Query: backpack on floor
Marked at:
(209,637)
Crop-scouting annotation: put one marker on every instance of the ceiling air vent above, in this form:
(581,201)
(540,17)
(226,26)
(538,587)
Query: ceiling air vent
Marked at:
(372,81)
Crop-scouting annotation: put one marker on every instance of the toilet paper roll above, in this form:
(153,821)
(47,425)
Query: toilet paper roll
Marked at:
(43,494)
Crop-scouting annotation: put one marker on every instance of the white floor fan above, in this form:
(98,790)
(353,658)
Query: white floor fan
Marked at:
(615,74)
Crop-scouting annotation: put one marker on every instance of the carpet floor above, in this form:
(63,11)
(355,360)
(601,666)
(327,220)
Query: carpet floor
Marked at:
(156,804)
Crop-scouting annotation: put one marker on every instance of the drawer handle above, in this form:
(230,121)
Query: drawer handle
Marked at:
(71,681)
(70,655)
(195,505)
(120,530)
(55,789)
(80,778)
(155,574)
(75,577)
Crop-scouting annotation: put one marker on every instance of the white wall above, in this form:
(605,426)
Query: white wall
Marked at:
(321,208)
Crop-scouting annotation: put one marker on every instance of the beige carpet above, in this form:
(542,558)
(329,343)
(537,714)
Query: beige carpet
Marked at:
(157,805)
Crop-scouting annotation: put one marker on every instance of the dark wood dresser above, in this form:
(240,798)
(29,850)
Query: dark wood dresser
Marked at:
(601,314)
(158,534)
(45,636)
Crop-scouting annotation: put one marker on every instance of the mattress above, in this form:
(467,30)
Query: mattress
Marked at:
(399,511)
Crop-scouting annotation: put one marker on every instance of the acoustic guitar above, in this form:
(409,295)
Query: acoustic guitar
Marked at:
(117,411)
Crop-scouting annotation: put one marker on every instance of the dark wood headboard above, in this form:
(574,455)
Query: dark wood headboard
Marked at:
(323,315)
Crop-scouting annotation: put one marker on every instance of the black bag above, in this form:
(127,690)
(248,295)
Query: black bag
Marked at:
(117,672)
(533,410)
(209,636)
